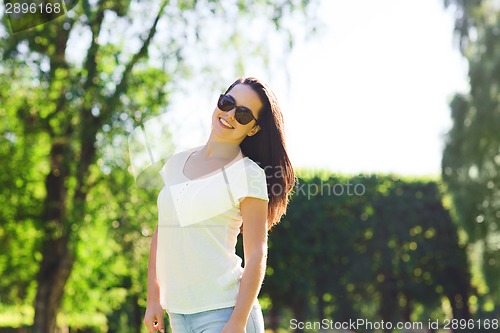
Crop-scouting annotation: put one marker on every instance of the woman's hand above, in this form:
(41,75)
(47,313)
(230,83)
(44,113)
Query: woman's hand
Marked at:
(233,327)
(153,319)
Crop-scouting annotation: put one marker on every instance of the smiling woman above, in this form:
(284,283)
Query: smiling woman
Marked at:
(242,114)
(210,194)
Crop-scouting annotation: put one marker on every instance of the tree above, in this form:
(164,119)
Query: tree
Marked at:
(374,247)
(71,100)
(471,158)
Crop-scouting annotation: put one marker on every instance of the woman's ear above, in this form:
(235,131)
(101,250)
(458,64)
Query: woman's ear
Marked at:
(254,130)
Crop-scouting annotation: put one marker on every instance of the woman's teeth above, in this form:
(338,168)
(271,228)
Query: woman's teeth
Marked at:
(225,123)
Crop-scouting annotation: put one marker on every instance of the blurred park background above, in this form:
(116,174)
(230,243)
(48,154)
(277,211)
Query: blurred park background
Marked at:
(396,214)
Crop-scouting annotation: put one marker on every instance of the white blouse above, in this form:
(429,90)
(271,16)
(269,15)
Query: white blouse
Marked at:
(198,223)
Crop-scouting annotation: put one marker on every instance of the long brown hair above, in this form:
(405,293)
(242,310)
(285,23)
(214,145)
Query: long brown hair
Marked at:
(267,148)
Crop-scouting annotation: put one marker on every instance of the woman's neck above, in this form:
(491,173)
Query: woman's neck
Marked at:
(220,150)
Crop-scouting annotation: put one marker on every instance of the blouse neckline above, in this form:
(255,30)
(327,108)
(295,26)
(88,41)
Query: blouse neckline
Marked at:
(209,175)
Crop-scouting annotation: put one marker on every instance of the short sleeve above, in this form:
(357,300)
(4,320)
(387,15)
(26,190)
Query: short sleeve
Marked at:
(164,172)
(250,181)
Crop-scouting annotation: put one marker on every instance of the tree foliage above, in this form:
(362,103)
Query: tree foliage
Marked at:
(471,158)
(72,90)
(374,247)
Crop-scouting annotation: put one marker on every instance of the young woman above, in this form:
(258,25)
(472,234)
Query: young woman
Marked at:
(239,181)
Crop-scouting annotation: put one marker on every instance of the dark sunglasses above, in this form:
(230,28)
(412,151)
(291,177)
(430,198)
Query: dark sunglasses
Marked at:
(243,115)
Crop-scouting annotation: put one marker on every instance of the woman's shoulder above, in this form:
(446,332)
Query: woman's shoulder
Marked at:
(253,167)
(174,160)
(180,154)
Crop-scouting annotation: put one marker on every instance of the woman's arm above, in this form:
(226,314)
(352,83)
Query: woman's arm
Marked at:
(153,319)
(254,213)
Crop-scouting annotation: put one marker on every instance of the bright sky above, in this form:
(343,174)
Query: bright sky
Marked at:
(384,71)
(370,92)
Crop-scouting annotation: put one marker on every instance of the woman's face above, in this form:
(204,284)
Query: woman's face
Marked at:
(224,124)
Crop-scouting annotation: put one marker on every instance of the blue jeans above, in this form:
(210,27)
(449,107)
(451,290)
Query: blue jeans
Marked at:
(213,321)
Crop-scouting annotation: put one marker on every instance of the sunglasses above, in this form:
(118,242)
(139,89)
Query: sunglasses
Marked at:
(243,115)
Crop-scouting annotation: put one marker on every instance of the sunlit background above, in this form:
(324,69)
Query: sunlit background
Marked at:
(376,95)
(368,92)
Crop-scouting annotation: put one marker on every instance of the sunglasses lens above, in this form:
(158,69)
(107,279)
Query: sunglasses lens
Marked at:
(243,115)
(226,103)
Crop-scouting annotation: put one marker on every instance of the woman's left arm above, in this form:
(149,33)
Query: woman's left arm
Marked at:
(254,214)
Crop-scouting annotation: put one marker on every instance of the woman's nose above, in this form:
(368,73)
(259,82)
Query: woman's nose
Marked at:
(231,113)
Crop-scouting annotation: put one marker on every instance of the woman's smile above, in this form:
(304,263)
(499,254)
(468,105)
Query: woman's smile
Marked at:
(225,124)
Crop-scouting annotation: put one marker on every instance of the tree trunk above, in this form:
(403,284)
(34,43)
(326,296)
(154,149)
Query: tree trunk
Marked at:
(138,314)
(274,318)
(57,253)
(407,309)
(55,269)
(299,312)
(458,293)
(321,305)
(389,306)
(57,260)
